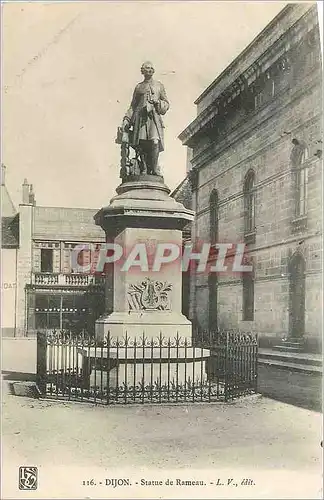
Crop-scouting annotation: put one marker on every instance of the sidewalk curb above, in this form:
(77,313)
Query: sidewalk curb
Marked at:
(307,369)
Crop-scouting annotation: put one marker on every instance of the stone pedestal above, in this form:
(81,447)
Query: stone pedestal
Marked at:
(147,302)
(151,325)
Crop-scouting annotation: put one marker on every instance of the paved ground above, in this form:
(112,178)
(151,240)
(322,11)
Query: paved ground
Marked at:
(255,435)
(274,444)
(297,388)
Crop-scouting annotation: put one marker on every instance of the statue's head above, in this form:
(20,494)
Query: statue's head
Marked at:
(147,69)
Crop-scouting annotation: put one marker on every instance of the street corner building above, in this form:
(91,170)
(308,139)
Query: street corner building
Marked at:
(40,291)
(255,176)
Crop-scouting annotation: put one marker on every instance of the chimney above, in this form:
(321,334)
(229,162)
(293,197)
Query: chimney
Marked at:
(28,195)
(25,193)
(3,174)
(32,200)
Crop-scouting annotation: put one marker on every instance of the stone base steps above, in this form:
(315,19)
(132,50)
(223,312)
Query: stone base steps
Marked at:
(291,345)
(288,349)
(292,360)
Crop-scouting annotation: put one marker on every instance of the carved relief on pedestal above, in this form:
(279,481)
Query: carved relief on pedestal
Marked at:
(149,295)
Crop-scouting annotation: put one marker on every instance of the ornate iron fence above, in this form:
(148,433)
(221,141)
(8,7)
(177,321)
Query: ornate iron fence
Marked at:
(212,367)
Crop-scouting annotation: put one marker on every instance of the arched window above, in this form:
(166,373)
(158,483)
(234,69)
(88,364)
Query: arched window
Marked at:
(249,202)
(248,294)
(299,157)
(296,296)
(213,216)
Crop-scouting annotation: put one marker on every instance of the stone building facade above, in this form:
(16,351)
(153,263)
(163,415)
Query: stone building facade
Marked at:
(40,288)
(256,177)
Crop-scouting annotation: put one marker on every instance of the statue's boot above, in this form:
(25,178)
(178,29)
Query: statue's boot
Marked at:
(155,151)
(143,163)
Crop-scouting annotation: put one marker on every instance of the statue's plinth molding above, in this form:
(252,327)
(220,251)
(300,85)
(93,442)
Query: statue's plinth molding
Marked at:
(143,181)
(143,202)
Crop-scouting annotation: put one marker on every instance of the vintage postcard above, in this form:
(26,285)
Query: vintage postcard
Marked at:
(161,251)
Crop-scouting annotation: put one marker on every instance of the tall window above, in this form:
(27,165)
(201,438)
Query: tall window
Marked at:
(185,292)
(299,162)
(212,299)
(213,215)
(249,202)
(84,257)
(46,260)
(248,296)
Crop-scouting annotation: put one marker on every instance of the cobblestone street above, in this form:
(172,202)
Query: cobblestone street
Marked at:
(296,388)
(257,436)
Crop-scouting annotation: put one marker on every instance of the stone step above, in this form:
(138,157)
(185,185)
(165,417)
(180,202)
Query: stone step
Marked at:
(292,344)
(285,357)
(285,365)
(287,348)
(27,389)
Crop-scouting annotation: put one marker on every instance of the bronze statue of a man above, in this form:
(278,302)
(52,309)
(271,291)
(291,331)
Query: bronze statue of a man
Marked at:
(144,120)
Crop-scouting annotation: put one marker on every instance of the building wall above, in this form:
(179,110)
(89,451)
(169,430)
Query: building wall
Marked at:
(58,228)
(24,264)
(261,139)
(8,291)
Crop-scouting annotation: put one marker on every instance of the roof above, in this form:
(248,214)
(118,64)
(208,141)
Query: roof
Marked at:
(66,223)
(7,207)
(286,30)
(10,232)
(272,31)
(183,193)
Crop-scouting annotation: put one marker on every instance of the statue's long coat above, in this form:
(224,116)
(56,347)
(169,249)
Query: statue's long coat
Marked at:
(145,118)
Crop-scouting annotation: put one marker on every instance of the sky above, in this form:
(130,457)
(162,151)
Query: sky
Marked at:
(68,73)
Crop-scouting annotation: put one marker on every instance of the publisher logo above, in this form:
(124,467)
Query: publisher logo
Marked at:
(28,478)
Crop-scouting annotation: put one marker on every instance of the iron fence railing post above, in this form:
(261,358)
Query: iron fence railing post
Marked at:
(256,354)
(108,345)
(41,364)
(160,366)
(193,371)
(226,367)
(232,369)
(151,369)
